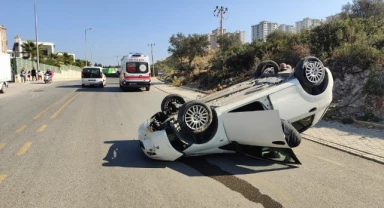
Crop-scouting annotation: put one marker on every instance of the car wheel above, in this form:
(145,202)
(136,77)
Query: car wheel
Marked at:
(2,88)
(310,71)
(171,103)
(194,117)
(265,65)
(82,85)
(147,88)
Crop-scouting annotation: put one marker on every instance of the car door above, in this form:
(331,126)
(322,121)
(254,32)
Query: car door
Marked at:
(255,128)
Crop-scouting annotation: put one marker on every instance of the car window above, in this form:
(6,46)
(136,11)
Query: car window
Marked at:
(91,72)
(137,67)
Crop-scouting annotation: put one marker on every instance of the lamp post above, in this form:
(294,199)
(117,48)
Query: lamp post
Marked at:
(85,46)
(91,54)
(37,40)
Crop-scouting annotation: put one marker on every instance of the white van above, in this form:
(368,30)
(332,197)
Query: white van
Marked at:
(93,76)
(135,71)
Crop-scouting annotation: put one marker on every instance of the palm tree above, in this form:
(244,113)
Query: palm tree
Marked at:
(57,58)
(67,59)
(30,48)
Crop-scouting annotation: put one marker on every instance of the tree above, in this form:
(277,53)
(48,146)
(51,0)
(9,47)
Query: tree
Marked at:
(364,9)
(188,46)
(67,59)
(229,41)
(30,48)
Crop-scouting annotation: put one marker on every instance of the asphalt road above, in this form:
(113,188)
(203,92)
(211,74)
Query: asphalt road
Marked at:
(64,146)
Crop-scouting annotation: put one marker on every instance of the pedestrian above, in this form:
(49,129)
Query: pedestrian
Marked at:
(33,73)
(22,75)
(29,76)
(40,75)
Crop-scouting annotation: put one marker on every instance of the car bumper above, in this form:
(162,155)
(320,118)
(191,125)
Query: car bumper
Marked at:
(133,84)
(92,82)
(155,144)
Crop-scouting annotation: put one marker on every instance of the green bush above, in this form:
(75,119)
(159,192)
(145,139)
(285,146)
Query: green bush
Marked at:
(373,84)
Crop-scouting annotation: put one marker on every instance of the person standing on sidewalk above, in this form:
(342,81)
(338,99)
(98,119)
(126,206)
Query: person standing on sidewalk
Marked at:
(39,75)
(22,75)
(33,73)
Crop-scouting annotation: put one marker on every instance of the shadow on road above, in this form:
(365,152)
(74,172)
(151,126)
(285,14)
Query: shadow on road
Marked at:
(108,88)
(127,153)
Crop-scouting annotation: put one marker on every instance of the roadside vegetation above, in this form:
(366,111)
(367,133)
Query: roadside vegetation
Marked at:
(353,41)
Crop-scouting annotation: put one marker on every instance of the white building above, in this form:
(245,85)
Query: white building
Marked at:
(48,48)
(261,30)
(287,28)
(212,38)
(241,35)
(3,39)
(307,23)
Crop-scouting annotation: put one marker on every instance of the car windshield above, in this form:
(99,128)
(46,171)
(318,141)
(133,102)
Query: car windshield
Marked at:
(137,67)
(91,72)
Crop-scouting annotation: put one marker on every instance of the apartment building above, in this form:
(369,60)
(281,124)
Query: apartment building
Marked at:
(261,30)
(307,23)
(3,39)
(241,35)
(287,28)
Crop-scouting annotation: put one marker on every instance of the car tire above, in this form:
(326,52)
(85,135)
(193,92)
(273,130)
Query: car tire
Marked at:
(191,114)
(147,88)
(264,65)
(2,88)
(310,71)
(167,106)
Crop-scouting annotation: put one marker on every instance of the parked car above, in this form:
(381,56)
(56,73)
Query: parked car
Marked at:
(262,117)
(93,76)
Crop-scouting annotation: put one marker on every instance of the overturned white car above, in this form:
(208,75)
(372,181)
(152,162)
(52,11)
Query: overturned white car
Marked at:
(262,117)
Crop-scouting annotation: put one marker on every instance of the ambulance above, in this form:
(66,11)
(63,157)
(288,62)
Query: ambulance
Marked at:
(135,72)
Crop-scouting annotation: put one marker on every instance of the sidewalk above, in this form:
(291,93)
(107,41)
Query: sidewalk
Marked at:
(363,142)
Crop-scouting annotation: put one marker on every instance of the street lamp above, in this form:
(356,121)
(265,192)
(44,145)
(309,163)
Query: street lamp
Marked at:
(91,53)
(37,42)
(85,46)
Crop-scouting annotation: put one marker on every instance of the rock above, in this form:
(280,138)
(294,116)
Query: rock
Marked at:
(356,69)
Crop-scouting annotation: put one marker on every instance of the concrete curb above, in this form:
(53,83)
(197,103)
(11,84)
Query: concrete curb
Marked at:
(349,150)
(367,124)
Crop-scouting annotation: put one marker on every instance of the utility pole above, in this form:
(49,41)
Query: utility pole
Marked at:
(37,41)
(153,64)
(117,58)
(85,45)
(220,11)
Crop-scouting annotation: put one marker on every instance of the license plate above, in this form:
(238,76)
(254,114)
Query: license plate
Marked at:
(132,83)
(91,80)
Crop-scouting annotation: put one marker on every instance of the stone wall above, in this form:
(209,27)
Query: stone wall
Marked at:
(350,99)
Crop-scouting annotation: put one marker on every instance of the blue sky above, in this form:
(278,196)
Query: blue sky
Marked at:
(122,26)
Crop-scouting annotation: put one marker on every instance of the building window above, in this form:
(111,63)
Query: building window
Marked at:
(45,52)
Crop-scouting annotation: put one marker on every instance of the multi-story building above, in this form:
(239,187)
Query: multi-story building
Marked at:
(212,38)
(287,28)
(262,30)
(241,35)
(3,39)
(307,23)
(47,47)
